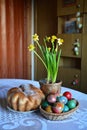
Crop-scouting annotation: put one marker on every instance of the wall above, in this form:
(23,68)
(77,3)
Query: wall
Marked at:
(45,24)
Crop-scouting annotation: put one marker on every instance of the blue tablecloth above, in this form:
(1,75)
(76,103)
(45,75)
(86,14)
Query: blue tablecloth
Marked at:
(10,120)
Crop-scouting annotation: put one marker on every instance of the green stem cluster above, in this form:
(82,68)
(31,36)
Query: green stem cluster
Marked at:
(50,59)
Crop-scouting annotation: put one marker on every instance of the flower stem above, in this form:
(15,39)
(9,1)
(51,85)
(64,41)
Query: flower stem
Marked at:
(55,75)
(40,59)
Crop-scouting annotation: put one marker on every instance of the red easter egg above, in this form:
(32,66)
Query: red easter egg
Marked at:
(68,95)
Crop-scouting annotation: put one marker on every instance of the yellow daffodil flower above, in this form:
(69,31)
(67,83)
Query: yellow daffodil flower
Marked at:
(31,47)
(60,41)
(35,37)
(49,48)
(53,38)
(47,39)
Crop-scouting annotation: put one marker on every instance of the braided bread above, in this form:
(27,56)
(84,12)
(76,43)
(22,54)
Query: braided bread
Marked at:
(25,97)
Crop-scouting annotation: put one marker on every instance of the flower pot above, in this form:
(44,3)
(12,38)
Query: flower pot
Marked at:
(48,88)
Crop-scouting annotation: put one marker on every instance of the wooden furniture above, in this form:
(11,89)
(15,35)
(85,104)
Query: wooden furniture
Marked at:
(72,27)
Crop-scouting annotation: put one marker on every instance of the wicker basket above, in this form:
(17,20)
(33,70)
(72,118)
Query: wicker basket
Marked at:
(54,116)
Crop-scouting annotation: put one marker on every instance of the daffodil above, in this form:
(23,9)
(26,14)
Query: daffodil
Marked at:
(47,39)
(60,41)
(31,47)
(50,54)
(49,48)
(35,37)
(53,38)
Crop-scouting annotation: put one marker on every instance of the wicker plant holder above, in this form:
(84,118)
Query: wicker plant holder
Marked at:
(54,116)
(48,88)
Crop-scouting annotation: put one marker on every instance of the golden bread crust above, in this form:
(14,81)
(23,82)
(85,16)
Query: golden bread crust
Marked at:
(25,97)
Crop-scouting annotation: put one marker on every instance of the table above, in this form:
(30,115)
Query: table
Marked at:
(35,121)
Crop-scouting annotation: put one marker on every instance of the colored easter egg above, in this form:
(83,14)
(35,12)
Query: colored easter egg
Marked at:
(44,104)
(68,95)
(51,98)
(57,94)
(71,104)
(48,109)
(57,99)
(66,108)
(58,107)
(74,100)
(63,99)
